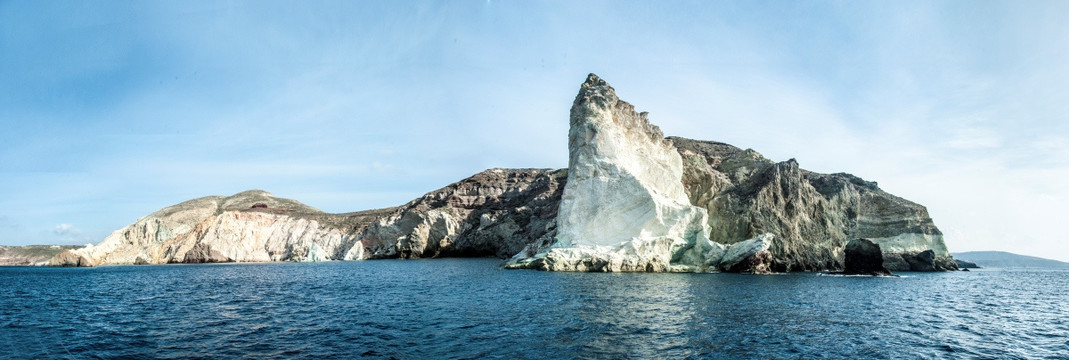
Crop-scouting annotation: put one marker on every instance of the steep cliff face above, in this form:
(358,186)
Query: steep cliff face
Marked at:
(624,207)
(251,226)
(812,215)
(497,212)
(787,218)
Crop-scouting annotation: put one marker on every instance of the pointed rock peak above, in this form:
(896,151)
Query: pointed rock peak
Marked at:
(791,164)
(624,199)
(597,100)
(592,80)
(595,93)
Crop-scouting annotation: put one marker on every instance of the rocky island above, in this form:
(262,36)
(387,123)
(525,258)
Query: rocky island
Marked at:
(630,200)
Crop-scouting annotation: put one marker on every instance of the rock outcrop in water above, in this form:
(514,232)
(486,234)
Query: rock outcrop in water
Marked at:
(809,216)
(631,200)
(962,264)
(812,215)
(624,206)
(863,257)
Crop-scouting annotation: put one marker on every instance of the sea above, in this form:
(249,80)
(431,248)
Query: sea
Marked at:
(472,309)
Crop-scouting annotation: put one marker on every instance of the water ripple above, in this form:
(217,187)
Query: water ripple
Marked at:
(457,309)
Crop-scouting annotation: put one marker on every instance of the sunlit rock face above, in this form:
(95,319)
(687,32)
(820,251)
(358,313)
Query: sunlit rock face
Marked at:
(624,207)
(908,237)
(252,226)
(749,255)
(497,212)
(631,200)
(812,215)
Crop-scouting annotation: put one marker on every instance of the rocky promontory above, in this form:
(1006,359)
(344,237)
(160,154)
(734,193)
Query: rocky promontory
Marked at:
(864,257)
(624,207)
(812,215)
(252,226)
(497,212)
(630,200)
(630,216)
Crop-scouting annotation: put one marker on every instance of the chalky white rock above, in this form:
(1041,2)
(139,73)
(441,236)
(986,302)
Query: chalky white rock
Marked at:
(624,207)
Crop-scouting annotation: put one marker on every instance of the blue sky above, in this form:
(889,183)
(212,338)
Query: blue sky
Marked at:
(111,110)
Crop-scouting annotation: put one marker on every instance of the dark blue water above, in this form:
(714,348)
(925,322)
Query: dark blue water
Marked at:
(468,308)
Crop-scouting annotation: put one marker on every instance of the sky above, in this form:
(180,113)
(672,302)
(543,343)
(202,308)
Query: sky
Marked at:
(111,110)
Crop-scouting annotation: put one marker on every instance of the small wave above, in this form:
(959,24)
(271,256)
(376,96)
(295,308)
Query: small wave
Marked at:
(376,309)
(896,276)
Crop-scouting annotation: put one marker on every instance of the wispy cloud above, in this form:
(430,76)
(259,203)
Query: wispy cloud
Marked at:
(65,229)
(69,234)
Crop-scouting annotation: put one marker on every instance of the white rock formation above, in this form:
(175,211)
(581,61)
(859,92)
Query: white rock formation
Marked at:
(743,250)
(631,200)
(913,243)
(235,236)
(624,207)
(252,226)
(493,213)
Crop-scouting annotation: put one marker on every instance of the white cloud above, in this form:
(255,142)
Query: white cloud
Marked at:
(66,229)
(69,234)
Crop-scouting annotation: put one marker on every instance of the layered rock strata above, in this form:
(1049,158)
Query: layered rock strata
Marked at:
(497,212)
(809,216)
(493,213)
(812,215)
(252,226)
(624,206)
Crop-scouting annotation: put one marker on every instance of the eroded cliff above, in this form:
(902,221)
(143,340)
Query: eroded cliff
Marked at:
(252,226)
(631,200)
(497,212)
(494,213)
(624,207)
(813,215)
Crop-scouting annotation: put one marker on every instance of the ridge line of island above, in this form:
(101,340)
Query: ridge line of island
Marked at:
(630,200)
